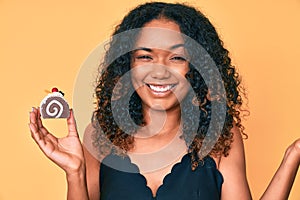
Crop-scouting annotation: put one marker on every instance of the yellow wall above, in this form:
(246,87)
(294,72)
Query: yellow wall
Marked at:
(43,43)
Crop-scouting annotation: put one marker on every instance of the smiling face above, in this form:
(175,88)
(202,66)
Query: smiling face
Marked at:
(159,65)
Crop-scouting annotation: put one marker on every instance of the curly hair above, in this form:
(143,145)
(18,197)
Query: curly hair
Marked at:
(110,86)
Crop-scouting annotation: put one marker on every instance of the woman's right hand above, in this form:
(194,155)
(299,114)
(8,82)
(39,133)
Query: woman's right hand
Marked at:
(66,152)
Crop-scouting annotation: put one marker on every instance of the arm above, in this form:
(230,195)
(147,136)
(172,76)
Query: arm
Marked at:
(281,184)
(233,169)
(93,167)
(66,152)
(92,163)
(77,186)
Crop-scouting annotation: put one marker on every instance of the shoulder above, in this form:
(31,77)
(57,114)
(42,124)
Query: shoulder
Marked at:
(233,169)
(236,153)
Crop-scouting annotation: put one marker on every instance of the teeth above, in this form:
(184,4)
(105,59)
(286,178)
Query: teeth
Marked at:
(160,88)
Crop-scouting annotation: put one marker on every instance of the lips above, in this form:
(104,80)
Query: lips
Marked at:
(161,88)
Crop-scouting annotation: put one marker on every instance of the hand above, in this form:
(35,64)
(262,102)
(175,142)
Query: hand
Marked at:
(297,146)
(66,152)
(295,149)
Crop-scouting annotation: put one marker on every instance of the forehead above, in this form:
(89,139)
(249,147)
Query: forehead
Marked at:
(159,34)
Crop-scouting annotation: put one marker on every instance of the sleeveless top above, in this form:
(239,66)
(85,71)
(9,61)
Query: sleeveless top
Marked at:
(181,183)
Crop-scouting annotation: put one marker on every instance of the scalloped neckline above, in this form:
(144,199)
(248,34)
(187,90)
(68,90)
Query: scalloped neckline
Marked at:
(165,178)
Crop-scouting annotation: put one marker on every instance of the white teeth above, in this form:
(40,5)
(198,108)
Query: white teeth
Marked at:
(161,88)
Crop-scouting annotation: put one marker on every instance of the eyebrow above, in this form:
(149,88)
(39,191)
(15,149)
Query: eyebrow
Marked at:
(144,49)
(176,46)
(150,50)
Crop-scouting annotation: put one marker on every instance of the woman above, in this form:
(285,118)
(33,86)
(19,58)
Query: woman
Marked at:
(159,73)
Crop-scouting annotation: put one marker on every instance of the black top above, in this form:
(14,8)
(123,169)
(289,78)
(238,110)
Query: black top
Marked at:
(182,183)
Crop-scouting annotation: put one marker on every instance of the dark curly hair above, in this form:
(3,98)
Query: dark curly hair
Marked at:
(110,86)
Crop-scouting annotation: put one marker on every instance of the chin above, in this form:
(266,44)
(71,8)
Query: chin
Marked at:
(161,106)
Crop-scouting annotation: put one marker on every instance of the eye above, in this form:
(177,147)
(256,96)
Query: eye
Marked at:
(179,58)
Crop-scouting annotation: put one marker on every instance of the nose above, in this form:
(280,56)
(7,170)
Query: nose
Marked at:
(160,72)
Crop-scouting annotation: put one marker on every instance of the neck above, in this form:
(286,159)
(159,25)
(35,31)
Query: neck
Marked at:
(160,123)
(161,128)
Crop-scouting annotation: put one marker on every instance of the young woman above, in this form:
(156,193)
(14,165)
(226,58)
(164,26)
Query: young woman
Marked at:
(162,75)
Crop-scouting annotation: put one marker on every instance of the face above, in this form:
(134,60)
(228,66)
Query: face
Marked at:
(159,65)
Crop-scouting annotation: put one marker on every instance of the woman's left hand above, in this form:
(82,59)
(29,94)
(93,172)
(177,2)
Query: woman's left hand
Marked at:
(294,150)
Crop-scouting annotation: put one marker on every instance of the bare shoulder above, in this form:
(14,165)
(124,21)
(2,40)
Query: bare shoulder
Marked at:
(92,163)
(233,169)
(236,153)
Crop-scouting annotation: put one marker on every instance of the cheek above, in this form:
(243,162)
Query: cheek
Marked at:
(183,89)
(185,69)
(180,73)
(137,77)
(180,70)
(134,81)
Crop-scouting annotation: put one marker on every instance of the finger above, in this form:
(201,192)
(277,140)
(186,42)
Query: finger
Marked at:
(39,120)
(35,133)
(42,142)
(33,115)
(35,118)
(52,138)
(43,130)
(72,125)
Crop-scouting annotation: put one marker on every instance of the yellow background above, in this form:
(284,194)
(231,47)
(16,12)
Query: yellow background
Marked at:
(43,43)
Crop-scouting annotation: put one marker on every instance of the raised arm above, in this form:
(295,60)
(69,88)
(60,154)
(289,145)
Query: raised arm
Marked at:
(282,182)
(66,152)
